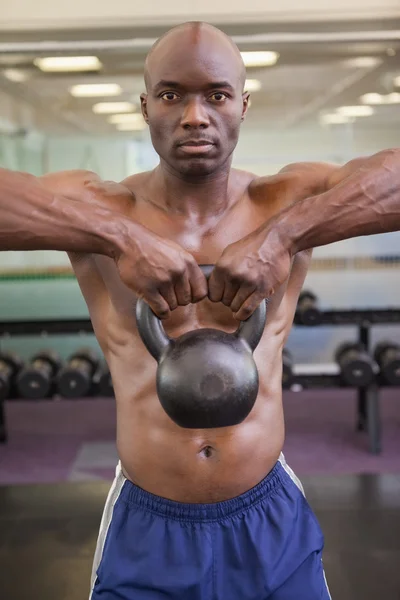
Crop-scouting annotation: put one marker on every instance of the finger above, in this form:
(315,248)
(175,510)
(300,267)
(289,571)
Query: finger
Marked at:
(183,291)
(158,305)
(230,290)
(243,293)
(249,306)
(216,286)
(198,283)
(167,291)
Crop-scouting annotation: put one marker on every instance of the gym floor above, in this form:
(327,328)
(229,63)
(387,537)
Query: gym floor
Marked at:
(48,536)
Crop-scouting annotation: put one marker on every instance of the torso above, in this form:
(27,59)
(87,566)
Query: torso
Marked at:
(184,464)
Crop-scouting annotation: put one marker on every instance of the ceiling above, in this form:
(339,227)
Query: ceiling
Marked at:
(314,74)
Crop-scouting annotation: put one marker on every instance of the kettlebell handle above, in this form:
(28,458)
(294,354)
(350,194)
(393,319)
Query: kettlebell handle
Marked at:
(155,339)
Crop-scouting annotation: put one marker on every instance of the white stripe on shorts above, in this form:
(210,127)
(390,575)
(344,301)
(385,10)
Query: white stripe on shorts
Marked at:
(112,497)
(291,474)
(297,481)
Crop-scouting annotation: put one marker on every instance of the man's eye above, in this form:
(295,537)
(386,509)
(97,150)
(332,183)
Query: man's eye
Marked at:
(218,97)
(169,96)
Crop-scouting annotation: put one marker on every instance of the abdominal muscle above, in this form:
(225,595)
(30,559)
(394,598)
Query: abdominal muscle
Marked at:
(195,465)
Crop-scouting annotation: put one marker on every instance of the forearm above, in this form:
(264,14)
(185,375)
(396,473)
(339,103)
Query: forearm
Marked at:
(33,218)
(366,202)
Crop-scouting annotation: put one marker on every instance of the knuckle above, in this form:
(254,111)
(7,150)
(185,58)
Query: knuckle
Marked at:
(164,278)
(179,269)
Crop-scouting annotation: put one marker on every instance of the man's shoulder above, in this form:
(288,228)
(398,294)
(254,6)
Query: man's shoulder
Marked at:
(302,179)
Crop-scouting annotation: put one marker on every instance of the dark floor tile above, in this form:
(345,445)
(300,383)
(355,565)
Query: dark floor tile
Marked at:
(49,500)
(337,580)
(7,531)
(31,578)
(353,491)
(61,538)
(373,575)
(356,530)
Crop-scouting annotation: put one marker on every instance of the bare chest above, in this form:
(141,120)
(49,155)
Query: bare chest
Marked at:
(205,241)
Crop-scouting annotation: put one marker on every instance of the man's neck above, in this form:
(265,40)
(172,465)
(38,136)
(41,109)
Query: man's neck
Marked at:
(198,198)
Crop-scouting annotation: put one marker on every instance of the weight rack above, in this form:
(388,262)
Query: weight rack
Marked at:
(368,414)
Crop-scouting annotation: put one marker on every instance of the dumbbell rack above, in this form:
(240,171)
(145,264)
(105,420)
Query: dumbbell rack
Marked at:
(368,414)
(9,329)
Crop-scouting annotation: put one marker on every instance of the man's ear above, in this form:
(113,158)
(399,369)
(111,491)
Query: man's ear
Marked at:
(143,104)
(246,104)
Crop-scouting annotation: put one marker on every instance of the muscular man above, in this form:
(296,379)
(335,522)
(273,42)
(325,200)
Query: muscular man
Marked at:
(198,514)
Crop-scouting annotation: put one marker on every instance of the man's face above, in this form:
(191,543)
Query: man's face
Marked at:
(195,105)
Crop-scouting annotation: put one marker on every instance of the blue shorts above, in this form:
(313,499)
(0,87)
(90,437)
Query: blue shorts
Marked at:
(263,544)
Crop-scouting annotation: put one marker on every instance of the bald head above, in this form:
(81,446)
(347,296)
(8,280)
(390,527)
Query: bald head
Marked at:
(186,38)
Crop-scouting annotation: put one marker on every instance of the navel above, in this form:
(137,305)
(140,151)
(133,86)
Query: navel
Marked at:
(207,452)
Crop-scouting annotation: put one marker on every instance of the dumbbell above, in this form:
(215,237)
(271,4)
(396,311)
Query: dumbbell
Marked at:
(387,355)
(35,380)
(357,367)
(287,371)
(10,365)
(104,382)
(307,311)
(75,379)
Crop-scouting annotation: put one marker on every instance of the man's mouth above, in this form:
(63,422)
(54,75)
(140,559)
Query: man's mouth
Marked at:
(196,146)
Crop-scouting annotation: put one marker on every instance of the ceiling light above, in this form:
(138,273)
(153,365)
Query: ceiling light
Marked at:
(356,111)
(15,75)
(252,85)
(333,119)
(131,126)
(95,89)
(363,62)
(107,108)
(55,64)
(259,59)
(372,98)
(393,98)
(126,118)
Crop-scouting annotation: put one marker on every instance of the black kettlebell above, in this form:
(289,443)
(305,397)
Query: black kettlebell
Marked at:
(206,378)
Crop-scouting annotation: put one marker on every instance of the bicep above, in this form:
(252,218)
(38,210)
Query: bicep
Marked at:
(72,184)
(88,187)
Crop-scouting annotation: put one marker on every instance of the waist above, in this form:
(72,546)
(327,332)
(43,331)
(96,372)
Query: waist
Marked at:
(135,496)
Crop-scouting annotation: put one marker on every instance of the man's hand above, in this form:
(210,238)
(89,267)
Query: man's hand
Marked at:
(249,271)
(160,271)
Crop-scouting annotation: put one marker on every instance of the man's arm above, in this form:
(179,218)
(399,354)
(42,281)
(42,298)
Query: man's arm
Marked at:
(70,211)
(361,198)
(54,213)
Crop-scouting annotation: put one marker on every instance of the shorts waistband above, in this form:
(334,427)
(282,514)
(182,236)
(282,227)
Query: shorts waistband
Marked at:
(136,496)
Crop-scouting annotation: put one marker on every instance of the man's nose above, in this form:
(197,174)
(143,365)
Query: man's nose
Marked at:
(195,115)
